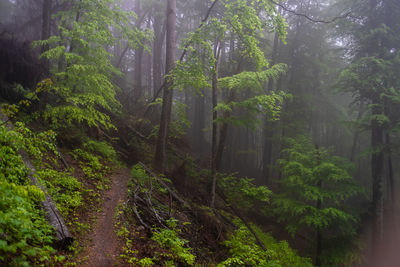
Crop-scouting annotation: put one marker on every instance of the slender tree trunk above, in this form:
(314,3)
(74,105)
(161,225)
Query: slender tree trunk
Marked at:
(268,126)
(377,142)
(159,34)
(77,17)
(377,162)
(149,80)
(319,206)
(217,53)
(224,128)
(390,174)
(356,133)
(160,156)
(223,134)
(46,29)
(198,123)
(138,90)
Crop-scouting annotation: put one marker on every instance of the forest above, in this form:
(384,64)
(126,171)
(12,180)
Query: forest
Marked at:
(200,133)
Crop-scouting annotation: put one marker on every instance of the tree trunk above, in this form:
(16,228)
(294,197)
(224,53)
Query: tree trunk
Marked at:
(46,22)
(217,53)
(390,175)
(137,83)
(223,134)
(377,163)
(357,133)
(199,123)
(159,33)
(268,126)
(160,156)
(319,207)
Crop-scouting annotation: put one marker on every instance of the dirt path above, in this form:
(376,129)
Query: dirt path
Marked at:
(104,246)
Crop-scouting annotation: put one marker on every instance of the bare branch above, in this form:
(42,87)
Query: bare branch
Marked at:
(294,12)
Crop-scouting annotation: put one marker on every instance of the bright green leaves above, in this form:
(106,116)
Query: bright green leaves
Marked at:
(64,189)
(244,251)
(24,234)
(247,19)
(305,167)
(248,109)
(82,70)
(242,193)
(169,239)
(197,68)
(311,176)
(252,80)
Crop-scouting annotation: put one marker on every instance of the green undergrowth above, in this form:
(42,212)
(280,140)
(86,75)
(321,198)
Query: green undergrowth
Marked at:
(25,237)
(244,250)
(177,249)
(167,245)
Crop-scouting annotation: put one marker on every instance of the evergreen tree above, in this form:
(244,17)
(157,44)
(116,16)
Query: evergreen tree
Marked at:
(312,193)
(371,80)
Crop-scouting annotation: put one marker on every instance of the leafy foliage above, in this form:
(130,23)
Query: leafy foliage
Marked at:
(101,148)
(169,239)
(245,251)
(83,76)
(25,236)
(242,192)
(312,175)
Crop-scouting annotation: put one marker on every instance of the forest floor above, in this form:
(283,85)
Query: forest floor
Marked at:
(104,247)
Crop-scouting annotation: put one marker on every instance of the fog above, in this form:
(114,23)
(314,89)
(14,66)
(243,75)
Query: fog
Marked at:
(297,95)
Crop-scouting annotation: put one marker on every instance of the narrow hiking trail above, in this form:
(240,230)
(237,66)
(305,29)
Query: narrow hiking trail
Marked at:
(104,248)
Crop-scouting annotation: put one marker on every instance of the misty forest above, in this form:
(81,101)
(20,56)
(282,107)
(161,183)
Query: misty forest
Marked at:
(200,133)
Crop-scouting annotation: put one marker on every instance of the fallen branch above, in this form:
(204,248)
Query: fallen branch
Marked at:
(163,184)
(238,214)
(66,165)
(136,212)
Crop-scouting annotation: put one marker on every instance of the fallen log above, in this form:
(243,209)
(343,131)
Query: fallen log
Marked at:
(52,215)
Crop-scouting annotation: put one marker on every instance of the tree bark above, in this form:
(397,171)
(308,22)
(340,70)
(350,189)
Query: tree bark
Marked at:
(53,216)
(268,126)
(390,174)
(377,142)
(356,133)
(46,29)
(137,83)
(319,207)
(160,156)
(217,53)
(377,162)
(159,34)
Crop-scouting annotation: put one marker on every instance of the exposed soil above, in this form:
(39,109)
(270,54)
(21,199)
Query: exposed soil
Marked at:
(104,246)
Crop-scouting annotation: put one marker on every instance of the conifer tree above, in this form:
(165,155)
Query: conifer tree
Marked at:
(311,197)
